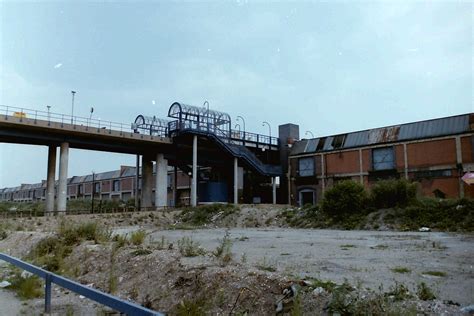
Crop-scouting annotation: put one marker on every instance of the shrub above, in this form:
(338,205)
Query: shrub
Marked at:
(344,198)
(392,193)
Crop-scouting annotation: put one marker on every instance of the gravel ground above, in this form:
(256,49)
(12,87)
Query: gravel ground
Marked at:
(365,257)
(9,303)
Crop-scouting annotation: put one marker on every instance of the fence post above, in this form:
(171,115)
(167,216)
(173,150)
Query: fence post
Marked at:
(47,294)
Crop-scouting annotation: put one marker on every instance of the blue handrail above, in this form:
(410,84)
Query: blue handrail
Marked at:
(111,301)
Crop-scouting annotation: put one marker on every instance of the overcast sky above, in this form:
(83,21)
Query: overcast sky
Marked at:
(329,67)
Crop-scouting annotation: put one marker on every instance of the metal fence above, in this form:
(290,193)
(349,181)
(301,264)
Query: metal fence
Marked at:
(111,301)
(49,117)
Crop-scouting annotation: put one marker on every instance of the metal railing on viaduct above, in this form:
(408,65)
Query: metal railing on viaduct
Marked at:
(129,308)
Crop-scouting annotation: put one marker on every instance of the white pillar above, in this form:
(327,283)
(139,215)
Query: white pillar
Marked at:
(236,181)
(405,161)
(161,181)
(361,176)
(62,189)
(194,178)
(147,181)
(51,176)
(274,189)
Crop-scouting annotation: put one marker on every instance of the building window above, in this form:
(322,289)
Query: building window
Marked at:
(80,189)
(383,158)
(97,187)
(306,167)
(116,185)
(427,174)
(338,141)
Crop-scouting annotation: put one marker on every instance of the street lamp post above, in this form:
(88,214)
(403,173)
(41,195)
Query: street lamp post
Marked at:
(269,130)
(72,110)
(207,114)
(239,128)
(90,116)
(49,116)
(310,133)
(93,190)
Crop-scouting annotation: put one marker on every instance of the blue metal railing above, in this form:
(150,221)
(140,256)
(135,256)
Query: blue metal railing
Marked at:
(111,301)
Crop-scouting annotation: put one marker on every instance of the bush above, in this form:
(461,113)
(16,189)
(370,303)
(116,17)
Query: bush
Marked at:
(344,198)
(27,288)
(392,193)
(424,292)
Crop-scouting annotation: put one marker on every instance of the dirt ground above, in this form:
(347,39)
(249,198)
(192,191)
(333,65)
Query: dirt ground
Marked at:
(267,257)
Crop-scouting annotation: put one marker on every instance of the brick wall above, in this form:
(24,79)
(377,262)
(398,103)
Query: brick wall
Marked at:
(425,154)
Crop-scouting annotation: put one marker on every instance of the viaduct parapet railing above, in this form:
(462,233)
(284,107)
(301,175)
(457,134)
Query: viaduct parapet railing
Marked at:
(63,118)
(111,301)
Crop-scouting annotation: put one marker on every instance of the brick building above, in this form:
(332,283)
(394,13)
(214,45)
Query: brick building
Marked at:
(435,153)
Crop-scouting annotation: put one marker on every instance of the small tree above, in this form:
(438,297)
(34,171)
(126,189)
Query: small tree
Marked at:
(344,198)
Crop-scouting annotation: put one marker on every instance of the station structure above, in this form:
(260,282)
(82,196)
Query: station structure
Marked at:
(235,166)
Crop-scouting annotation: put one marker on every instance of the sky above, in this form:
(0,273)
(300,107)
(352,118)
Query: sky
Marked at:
(330,67)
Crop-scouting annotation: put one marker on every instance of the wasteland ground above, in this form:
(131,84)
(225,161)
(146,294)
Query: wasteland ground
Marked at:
(178,268)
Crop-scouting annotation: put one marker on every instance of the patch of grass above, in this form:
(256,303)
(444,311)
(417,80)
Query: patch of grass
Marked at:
(327,285)
(400,270)
(342,301)
(379,247)
(424,292)
(26,288)
(190,248)
(192,307)
(201,215)
(138,237)
(120,241)
(399,292)
(435,273)
(265,265)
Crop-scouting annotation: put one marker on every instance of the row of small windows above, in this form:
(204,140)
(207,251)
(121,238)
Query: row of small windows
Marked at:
(382,159)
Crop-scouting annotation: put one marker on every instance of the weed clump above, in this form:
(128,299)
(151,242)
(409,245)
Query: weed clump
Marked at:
(28,287)
(343,199)
(138,237)
(190,248)
(424,292)
(224,250)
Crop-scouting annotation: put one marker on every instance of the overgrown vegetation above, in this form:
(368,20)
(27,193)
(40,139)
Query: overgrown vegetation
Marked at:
(392,203)
(424,292)
(26,287)
(138,237)
(51,251)
(224,251)
(190,248)
(202,215)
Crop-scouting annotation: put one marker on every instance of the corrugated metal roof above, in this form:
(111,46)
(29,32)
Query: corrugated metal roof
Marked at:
(425,129)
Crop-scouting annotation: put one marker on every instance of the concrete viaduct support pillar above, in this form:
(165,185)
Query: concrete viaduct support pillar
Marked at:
(274,190)
(51,177)
(161,182)
(236,181)
(194,178)
(147,181)
(62,189)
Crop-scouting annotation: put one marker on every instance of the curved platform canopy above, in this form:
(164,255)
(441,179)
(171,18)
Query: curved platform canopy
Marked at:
(151,125)
(200,118)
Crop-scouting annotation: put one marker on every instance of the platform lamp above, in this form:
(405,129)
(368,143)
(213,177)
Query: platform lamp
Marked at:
(49,115)
(90,116)
(310,133)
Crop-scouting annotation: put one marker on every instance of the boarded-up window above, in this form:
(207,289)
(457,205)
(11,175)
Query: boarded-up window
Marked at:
(306,167)
(383,158)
